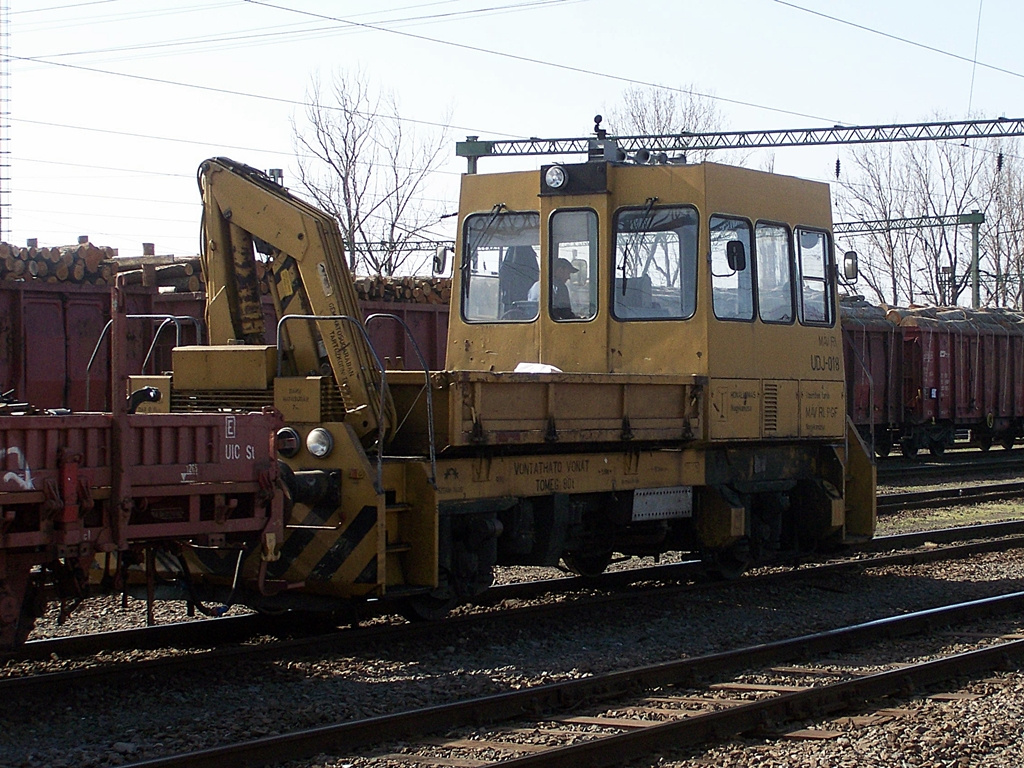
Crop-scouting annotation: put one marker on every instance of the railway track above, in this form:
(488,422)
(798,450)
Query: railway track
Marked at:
(965,461)
(656,582)
(610,718)
(937,497)
(234,629)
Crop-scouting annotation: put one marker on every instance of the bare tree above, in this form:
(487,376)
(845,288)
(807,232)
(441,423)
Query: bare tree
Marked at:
(939,180)
(1002,235)
(880,191)
(655,111)
(360,162)
(945,180)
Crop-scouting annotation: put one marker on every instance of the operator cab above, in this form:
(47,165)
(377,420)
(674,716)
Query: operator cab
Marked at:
(641,269)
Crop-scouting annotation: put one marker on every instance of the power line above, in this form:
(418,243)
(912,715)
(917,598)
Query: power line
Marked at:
(527,59)
(63,7)
(257,35)
(212,89)
(135,14)
(898,39)
(194,142)
(93,196)
(129,134)
(135,171)
(974,64)
(92,215)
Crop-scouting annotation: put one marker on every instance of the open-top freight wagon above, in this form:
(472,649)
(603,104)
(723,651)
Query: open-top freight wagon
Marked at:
(75,485)
(917,377)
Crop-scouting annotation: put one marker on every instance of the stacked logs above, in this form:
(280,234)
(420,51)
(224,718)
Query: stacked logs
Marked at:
(164,272)
(86,263)
(409,289)
(82,264)
(406,289)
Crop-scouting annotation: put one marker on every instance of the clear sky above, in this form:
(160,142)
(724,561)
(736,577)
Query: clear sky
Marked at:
(114,103)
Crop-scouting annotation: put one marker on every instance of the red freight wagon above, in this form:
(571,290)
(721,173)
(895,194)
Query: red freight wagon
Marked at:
(962,369)
(77,485)
(872,344)
(48,333)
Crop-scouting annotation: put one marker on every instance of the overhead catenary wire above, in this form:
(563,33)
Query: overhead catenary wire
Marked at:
(258,35)
(900,39)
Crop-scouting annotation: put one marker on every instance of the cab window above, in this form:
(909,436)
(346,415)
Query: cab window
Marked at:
(655,263)
(572,271)
(732,288)
(499,266)
(813,263)
(774,273)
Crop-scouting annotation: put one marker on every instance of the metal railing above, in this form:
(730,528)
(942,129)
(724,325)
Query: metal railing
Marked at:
(177,320)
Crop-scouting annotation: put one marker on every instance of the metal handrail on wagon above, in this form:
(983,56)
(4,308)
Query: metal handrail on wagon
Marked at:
(166,320)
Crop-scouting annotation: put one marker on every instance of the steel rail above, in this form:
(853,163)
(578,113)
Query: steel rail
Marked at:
(351,639)
(569,695)
(232,629)
(974,494)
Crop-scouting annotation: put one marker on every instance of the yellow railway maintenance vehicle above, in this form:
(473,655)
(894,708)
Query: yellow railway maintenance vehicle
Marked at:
(642,357)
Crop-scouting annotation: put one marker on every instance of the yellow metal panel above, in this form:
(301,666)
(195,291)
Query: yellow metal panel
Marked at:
(495,476)
(417,525)
(718,522)
(163,383)
(224,367)
(298,398)
(767,196)
(738,521)
(519,408)
(781,408)
(338,551)
(735,409)
(822,409)
(860,491)
(838,512)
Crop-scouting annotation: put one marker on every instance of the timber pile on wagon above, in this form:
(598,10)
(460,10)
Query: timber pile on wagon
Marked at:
(166,272)
(81,264)
(89,264)
(407,289)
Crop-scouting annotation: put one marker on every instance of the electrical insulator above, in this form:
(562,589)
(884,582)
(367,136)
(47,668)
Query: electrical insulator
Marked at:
(837,167)
(999,162)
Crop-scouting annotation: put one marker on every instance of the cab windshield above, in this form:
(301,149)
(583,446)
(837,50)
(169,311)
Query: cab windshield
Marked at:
(499,266)
(655,263)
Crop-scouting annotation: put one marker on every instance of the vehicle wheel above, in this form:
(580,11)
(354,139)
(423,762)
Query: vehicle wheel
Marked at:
(427,607)
(908,447)
(984,441)
(587,564)
(936,447)
(883,448)
(1007,443)
(730,563)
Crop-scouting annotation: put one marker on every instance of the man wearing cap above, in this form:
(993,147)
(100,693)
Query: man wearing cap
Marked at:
(561,306)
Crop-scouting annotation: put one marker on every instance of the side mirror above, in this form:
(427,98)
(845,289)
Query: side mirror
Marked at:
(850,270)
(736,255)
(440,259)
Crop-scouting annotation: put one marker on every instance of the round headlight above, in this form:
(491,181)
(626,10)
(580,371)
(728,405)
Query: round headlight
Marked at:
(555,177)
(288,442)
(319,442)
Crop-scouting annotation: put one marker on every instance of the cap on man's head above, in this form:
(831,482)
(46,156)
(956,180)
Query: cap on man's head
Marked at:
(567,265)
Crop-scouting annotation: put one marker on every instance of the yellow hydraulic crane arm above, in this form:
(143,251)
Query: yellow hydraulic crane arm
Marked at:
(244,210)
